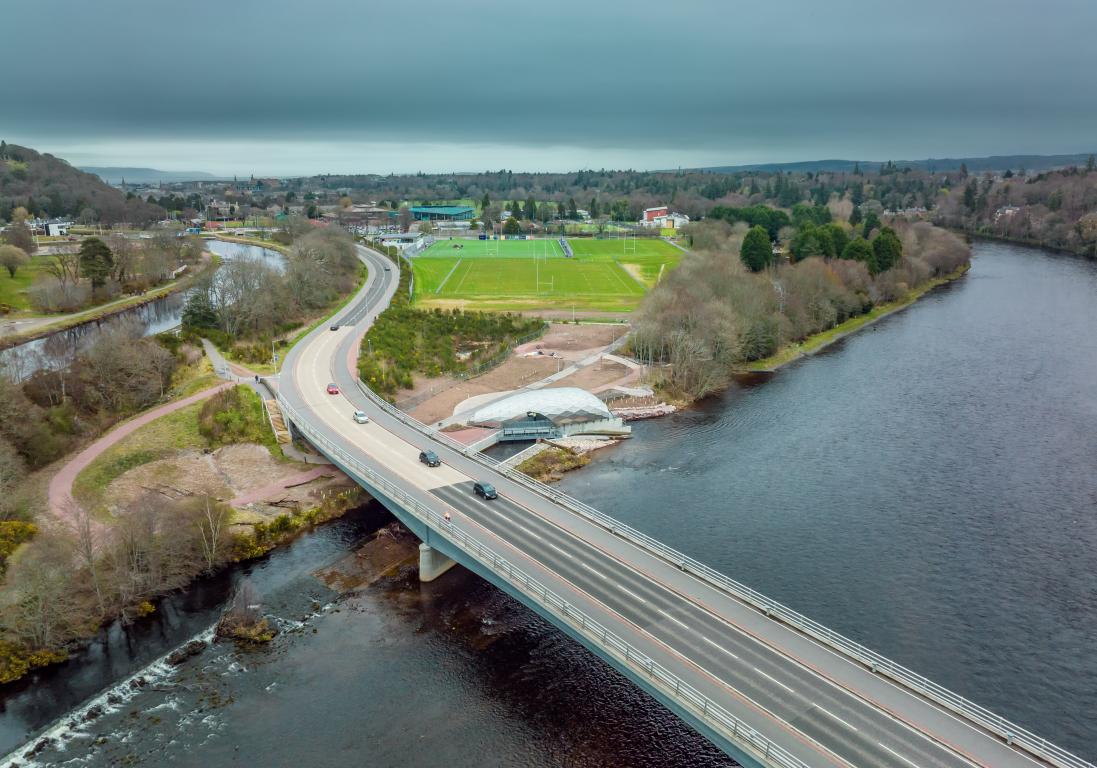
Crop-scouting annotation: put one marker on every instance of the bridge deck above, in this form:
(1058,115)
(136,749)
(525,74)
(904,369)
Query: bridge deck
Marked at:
(822,707)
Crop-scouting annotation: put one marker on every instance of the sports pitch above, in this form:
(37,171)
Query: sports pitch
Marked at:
(611,274)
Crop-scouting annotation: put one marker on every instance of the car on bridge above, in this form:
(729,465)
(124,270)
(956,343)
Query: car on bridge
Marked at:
(361,417)
(430,458)
(487,490)
(333,389)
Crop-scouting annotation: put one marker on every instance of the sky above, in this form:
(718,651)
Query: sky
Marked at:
(357,86)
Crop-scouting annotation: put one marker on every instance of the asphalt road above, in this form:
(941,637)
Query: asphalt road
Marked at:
(816,703)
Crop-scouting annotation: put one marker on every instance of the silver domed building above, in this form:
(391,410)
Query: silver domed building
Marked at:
(549,413)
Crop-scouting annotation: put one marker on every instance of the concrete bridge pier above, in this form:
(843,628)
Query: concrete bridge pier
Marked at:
(432,563)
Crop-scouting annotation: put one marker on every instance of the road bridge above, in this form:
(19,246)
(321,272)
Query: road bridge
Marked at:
(767,685)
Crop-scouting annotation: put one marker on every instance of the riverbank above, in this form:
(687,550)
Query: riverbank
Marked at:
(820,341)
(104,311)
(1025,241)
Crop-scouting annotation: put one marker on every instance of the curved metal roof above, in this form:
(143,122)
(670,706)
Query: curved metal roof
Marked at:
(562,405)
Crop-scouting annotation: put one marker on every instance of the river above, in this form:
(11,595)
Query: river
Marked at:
(156,316)
(925,486)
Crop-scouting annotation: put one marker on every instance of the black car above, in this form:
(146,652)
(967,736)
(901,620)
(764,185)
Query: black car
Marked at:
(487,490)
(387,269)
(430,458)
(335,327)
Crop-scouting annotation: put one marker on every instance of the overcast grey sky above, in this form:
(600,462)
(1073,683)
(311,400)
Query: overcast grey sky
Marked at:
(273,87)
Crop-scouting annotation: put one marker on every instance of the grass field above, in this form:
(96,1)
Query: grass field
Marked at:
(607,275)
(14,290)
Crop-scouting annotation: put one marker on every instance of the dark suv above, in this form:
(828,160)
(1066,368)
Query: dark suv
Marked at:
(487,490)
(430,458)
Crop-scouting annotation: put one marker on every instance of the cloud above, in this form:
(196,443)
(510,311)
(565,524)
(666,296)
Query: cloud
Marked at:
(435,86)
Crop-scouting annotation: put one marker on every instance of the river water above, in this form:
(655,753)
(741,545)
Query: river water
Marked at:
(926,486)
(156,316)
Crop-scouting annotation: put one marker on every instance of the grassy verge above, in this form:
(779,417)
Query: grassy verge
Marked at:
(157,440)
(234,416)
(818,341)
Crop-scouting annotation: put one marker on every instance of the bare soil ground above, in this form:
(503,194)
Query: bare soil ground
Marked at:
(226,473)
(594,376)
(571,342)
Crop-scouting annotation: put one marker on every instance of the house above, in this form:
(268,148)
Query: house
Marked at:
(662,218)
(57,227)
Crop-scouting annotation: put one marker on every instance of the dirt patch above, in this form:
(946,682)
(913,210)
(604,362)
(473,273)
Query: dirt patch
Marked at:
(593,376)
(514,373)
(225,474)
(433,399)
(392,547)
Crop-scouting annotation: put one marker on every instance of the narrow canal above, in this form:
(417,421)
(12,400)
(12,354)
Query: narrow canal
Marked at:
(926,486)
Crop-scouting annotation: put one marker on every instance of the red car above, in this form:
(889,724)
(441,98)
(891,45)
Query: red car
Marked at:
(333,389)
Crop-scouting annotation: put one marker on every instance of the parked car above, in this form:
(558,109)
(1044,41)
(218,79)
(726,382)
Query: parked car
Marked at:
(487,490)
(361,417)
(333,389)
(430,458)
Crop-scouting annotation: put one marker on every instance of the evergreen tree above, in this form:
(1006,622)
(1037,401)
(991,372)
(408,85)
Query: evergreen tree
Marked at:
(969,196)
(757,250)
(485,202)
(512,227)
(888,249)
(860,249)
(573,209)
(594,207)
(96,261)
(872,221)
(856,217)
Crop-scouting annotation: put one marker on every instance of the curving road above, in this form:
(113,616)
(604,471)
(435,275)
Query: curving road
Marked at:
(822,707)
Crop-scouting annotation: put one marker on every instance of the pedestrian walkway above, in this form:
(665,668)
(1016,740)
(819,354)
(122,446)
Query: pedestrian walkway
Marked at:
(61,502)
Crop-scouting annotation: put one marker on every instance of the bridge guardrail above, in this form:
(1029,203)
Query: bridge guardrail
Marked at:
(1010,732)
(673,686)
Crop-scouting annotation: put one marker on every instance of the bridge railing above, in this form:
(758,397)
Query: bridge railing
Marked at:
(701,706)
(1010,732)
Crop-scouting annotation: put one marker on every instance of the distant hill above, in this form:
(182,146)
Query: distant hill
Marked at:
(114,175)
(974,164)
(49,187)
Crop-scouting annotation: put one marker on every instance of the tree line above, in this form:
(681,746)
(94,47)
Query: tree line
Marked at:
(734,301)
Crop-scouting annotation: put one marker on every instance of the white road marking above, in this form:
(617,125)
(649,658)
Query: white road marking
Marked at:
(631,594)
(719,647)
(530,532)
(593,570)
(892,751)
(773,680)
(834,716)
(563,552)
(679,623)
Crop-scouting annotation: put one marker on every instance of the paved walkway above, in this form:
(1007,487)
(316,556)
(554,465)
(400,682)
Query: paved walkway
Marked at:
(60,497)
(274,490)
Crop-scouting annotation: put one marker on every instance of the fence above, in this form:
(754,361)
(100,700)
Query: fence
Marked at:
(627,655)
(1010,732)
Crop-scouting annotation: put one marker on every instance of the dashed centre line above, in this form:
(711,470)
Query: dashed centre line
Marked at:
(773,680)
